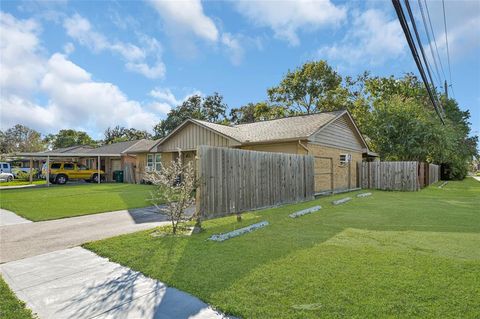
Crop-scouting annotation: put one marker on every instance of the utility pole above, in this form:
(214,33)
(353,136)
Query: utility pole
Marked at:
(446,89)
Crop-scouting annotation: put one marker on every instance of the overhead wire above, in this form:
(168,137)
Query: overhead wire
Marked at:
(437,105)
(411,43)
(446,41)
(439,78)
(434,39)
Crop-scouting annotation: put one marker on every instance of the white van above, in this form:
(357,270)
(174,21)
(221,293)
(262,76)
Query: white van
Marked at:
(5,167)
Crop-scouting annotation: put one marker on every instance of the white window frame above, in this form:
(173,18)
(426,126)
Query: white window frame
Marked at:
(347,158)
(154,161)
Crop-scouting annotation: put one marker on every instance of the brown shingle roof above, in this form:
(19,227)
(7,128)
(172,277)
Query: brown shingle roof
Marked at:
(280,129)
(142,146)
(70,149)
(114,148)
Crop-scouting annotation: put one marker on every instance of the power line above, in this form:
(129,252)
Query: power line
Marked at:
(424,56)
(446,41)
(430,42)
(413,49)
(434,39)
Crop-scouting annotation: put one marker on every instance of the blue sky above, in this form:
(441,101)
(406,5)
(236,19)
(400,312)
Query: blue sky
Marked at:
(92,64)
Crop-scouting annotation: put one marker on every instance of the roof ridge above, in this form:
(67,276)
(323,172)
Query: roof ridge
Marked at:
(291,116)
(136,142)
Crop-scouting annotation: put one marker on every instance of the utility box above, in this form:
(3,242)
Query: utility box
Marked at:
(118,176)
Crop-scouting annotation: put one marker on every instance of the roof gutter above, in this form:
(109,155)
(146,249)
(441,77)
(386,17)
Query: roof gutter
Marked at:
(304,146)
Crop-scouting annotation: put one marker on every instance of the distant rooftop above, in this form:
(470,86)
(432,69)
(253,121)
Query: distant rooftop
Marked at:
(114,149)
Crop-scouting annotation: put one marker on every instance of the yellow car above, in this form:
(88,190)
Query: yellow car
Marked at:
(61,172)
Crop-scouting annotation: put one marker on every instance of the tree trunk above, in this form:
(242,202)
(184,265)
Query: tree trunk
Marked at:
(198,226)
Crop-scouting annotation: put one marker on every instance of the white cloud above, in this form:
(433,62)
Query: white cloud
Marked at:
(185,21)
(20,66)
(68,48)
(19,110)
(287,18)
(235,49)
(152,72)
(75,100)
(463,23)
(165,95)
(165,100)
(371,38)
(80,29)
(186,16)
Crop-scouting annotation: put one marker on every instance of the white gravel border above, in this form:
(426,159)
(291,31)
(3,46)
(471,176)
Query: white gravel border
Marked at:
(238,232)
(364,194)
(341,201)
(305,211)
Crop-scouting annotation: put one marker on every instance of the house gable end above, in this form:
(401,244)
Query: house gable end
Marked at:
(189,135)
(340,133)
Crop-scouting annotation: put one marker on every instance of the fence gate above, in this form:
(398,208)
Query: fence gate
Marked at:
(234,180)
(323,174)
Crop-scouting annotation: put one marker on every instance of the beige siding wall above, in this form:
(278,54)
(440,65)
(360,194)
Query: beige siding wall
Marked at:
(340,134)
(167,157)
(328,157)
(189,137)
(140,163)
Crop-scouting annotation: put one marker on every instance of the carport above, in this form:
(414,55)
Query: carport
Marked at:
(109,158)
(64,156)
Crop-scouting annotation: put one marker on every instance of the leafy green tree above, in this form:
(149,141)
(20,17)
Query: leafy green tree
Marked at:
(313,87)
(210,108)
(20,138)
(213,108)
(401,130)
(397,117)
(122,134)
(253,112)
(67,138)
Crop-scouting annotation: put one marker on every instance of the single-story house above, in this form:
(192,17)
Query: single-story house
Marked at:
(112,157)
(332,138)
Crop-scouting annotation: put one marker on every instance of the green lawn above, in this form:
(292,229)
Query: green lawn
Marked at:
(10,306)
(21,183)
(61,201)
(394,254)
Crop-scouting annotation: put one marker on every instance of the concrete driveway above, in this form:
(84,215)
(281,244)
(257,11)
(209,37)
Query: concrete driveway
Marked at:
(76,283)
(30,239)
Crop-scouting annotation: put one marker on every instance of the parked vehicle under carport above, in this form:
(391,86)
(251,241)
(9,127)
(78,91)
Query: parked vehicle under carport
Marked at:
(62,172)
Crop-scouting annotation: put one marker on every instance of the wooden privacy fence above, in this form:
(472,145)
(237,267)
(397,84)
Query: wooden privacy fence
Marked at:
(233,181)
(433,173)
(404,176)
(389,175)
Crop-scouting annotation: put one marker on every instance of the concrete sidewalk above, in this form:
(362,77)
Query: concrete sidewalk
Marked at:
(10,218)
(76,283)
(30,239)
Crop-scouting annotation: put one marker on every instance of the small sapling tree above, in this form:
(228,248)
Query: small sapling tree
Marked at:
(174,185)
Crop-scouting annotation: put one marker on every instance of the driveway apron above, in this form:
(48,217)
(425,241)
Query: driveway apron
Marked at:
(76,283)
(31,239)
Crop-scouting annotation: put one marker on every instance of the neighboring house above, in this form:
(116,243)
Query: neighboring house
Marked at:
(127,156)
(331,137)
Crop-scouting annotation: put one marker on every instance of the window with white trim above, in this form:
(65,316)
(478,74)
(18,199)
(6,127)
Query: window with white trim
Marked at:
(345,158)
(154,162)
